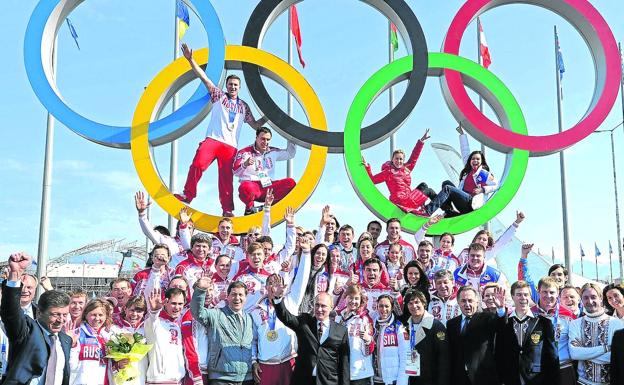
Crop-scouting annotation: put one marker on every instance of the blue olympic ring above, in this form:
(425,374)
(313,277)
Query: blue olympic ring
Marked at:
(40,37)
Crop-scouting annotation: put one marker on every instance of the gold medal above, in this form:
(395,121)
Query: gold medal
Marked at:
(271,335)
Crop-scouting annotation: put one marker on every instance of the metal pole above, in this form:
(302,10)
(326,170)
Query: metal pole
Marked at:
(46,190)
(582,273)
(391,89)
(486,225)
(173,161)
(564,194)
(596,260)
(622,99)
(610,263)
(617,209)
(290,163)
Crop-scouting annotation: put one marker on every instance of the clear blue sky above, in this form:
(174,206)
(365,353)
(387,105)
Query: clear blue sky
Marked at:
(124,44)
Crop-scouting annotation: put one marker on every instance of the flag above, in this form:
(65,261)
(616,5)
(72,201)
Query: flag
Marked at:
(596,251)
(296,31)
(552,249)
(182,14)
(484,50)
(394,38)
(610,248)
(560,65)
(72,30)
(135,266)
(582,252)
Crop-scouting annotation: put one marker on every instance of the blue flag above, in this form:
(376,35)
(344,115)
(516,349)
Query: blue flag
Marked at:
(582,252)
(610,248)
(184,21)
(596,251)
(560,65)
(72,30)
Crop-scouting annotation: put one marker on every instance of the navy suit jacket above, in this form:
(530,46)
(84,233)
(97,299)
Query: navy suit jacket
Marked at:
(29,342)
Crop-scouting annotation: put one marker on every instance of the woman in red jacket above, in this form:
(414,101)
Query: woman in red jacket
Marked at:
(396,174)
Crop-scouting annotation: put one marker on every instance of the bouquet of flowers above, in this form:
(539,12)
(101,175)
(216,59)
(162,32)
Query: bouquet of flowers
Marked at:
(131,347)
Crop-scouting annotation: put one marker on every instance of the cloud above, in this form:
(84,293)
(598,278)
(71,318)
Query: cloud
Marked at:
(72,165)
(13,165)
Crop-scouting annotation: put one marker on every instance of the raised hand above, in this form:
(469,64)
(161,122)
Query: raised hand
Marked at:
(435,219)
(155,299)
(268,199)
(187,52)
(275,291)
(19,262)
(204,283)
(519,217)
(460,130)
(249,161)
(526,249)
(46,284)
(305,244)
(140,203)
(289,216)
(499,297)
(326,215)
(425,135)
(185,215)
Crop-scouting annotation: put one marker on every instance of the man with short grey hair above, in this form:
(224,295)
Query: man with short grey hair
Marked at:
(39,349)
(199,259)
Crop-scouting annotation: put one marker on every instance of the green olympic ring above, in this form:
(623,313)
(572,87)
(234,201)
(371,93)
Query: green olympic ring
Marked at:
(396,71)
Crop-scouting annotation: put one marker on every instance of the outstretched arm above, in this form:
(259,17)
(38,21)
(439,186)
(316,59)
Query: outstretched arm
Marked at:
(411,162)
(377,178)
(523,271)
(188,54)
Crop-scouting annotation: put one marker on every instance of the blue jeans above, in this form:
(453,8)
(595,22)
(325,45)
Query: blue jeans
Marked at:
(451,194)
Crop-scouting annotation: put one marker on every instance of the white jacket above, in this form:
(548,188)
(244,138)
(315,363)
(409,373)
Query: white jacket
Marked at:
(443,311)
(392,348)
(142,365)
(264,162)
(166,358)
(479,177)
(87,362)
(360,354)
(176,245)
(285,347)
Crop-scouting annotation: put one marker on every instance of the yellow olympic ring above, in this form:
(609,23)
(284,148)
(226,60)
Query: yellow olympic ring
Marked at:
(160,86)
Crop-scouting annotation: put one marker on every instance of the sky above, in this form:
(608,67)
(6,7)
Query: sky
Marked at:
(125,44)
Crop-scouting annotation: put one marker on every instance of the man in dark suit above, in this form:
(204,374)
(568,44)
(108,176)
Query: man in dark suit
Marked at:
(526,346)
(617,357)
(471,339)
(38,349)
(323,345)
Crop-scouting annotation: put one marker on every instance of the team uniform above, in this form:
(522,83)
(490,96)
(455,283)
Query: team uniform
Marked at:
(360,354)
(192,269)
(143,281)
(491,252)
(257,178)
(372,293)
(463,276)
(177,245)
(409,253)
(277,344)
(231,248)
(592,334)
(443,310)
(399,182)
(221,142)
(87,360)
(172,358)
(390,351)
(255,281)
(560,317)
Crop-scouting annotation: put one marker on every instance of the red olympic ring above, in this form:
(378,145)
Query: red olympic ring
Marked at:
(599,38)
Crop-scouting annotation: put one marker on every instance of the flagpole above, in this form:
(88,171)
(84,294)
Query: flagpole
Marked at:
(173,160)
(391,89)
(569,266)
(46,188)
(610,262)
(289,106)
(486,225)
(564,193)
(596,260)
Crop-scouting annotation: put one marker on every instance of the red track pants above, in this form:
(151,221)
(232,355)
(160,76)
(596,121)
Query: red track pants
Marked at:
(279,374)
(207,152)
(250,191)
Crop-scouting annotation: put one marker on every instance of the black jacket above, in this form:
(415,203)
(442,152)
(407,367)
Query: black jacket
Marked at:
(474,349)
(536,361)
(434,355)
(330,358)
(617,358)
(29,343)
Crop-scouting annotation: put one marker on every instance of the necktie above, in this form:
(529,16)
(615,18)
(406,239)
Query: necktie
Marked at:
(466,322)
(51,369)
(320,330)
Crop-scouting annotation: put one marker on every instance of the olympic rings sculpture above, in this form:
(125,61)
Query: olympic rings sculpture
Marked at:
(510,136)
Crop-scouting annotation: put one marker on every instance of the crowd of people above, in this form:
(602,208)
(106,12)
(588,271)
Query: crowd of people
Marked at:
(326,308)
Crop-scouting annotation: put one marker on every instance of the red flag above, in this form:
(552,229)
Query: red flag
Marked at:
(294,27)
(486,59)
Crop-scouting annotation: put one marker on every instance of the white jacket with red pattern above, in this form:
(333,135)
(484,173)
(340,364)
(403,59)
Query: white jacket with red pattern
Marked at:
(264,162)
(360,354)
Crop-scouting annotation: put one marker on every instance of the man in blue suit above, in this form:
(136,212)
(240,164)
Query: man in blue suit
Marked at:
(38,349)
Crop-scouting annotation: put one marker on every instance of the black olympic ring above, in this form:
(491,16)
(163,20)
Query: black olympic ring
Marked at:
(397,11)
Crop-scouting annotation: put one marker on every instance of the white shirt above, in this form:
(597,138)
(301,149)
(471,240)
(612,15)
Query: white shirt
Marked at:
(323,337)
